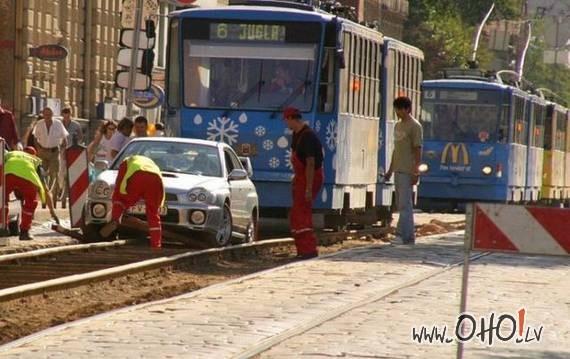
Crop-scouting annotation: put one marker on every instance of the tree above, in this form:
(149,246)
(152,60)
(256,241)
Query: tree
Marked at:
(444,30)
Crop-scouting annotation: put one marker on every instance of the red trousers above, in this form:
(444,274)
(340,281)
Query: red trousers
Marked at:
(301,216)
(141,185)
(28,193)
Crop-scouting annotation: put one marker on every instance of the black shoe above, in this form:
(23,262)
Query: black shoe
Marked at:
(306,256)
(26,236)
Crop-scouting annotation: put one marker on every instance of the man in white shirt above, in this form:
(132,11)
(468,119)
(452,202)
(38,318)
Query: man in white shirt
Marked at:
(50,134)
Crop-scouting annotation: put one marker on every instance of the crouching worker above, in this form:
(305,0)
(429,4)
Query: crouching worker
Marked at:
(138,178)
(24,177)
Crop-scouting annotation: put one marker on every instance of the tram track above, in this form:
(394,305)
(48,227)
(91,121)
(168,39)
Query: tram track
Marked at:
(60,268)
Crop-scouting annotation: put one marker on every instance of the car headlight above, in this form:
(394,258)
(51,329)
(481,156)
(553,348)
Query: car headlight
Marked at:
(200,195)
(423,168)
(487,170)
(100,189)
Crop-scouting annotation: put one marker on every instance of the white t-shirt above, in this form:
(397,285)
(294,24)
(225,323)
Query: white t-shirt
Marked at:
(104,149)
(53,138)
(118,141)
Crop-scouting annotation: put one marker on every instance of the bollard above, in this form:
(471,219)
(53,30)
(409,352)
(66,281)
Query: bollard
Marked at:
(77,182)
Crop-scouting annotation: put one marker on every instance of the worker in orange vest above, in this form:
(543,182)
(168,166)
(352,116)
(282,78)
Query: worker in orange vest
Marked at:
(24,177)
(138,178)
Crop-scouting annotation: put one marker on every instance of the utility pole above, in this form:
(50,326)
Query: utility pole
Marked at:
(134,57)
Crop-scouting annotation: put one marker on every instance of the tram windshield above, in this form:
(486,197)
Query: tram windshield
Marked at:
(461,116)
(248,66)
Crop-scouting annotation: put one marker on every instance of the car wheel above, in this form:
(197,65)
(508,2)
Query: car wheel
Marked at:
(223,236)
(252,228)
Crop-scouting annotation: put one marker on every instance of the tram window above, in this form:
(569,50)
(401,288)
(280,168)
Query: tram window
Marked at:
(248,76)
(327,88)
(538,132)
(345,75)
(561,125)
(174,65)
(548,128)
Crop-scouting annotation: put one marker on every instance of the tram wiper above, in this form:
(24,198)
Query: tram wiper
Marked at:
(250,91)
(292,97)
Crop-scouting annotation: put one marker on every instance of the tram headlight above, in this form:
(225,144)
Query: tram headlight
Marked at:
(487,170)
(423,168)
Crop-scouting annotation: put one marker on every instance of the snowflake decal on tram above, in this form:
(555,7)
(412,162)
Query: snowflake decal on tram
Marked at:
(331,135)
(223,129)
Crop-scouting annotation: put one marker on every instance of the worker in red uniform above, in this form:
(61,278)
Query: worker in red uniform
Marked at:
(24,177)
(307,161)
(138,178)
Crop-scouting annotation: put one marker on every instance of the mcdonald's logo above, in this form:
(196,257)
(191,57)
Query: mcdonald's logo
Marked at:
(456,149)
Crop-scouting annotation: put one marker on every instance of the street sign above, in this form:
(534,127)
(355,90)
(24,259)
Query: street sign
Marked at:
(128,13)
(52,52)
(128,39)
(141,83)
(124,57)
(152,98)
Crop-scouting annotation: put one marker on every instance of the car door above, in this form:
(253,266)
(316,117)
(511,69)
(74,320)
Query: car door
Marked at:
(238,191)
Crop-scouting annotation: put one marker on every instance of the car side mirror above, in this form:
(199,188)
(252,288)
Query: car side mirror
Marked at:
(237,174)
(101,165)
(246,163)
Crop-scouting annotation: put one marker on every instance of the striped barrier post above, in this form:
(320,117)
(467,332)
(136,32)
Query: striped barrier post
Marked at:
(516,229)
(3,224)
(77,182)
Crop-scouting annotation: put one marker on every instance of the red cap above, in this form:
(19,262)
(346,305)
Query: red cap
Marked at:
(30,150)
(291,111)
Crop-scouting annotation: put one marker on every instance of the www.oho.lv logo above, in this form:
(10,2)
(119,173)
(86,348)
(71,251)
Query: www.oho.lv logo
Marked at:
(503,327)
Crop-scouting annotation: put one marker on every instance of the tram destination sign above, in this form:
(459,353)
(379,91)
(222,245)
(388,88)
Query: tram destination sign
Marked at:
(247,32)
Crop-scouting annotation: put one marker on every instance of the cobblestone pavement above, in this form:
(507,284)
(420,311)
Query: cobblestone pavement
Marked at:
(361,303)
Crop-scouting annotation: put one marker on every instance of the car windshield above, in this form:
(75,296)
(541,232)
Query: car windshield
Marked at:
(177,157)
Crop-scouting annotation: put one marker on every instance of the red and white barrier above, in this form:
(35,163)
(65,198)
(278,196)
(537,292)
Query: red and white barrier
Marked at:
(77,181)
(519,229)
(3,224)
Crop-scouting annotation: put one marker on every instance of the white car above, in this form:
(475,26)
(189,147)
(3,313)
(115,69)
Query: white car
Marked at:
(208,190)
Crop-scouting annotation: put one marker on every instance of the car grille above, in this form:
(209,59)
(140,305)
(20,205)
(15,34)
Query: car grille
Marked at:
(171,197)
(171,216)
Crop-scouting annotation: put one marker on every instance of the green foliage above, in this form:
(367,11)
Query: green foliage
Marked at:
(554,77)
(445,30)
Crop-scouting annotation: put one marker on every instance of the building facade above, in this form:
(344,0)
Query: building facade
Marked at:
(89,30)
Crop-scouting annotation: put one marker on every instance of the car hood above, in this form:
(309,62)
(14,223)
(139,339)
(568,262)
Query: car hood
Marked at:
(173,183)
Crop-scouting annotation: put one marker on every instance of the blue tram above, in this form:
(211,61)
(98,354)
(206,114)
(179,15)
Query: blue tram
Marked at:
(483,141)
(401,71)
(231,71)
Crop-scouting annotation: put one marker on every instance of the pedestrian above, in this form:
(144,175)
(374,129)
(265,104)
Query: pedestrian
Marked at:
(100,147)
(24,177)
(138,178)
(74,137)
(75,133)
(121,137)
(159,130)
(8,129)
(50,135)
(408,138)
(141,127)
(307,161)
